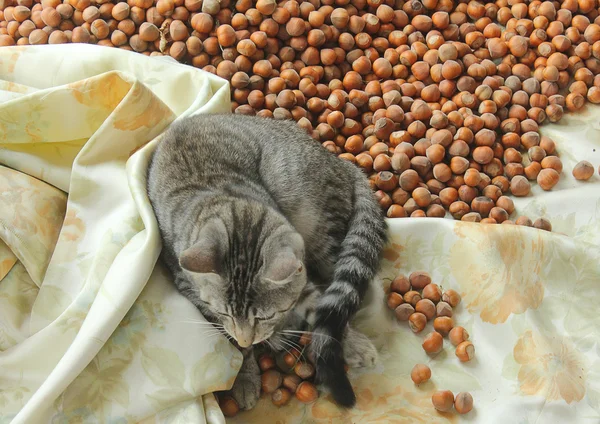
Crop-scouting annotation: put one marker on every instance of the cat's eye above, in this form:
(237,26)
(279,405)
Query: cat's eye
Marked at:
(265,318)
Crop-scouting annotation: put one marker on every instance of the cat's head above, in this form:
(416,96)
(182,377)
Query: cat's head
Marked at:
(248,277)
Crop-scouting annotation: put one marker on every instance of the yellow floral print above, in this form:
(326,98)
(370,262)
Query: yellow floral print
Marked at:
(499,269)
(551,366)
(149,111)
(93,92)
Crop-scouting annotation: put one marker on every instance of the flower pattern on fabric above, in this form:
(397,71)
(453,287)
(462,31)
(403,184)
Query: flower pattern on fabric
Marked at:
(500,270)
(551,367)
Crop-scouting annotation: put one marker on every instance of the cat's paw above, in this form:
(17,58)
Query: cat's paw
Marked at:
(246,390)
(359,351)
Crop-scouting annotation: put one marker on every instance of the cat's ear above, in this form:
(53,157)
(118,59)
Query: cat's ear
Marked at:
(284,259)
(205,256)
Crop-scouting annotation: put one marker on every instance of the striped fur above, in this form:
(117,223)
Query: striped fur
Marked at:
(251,209)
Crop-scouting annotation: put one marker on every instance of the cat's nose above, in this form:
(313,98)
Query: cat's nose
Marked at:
(244,338)
(244,342)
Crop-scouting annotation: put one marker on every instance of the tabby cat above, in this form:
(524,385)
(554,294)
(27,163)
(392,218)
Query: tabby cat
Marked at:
(264,231)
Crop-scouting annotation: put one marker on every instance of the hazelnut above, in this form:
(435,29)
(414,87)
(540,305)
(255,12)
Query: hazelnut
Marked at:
(523,220)
(420,373)
(542,224)
(394,300)
(291,382)
(271,380)
(519,186)
(463,403)
(451,297)
(400,284)
(419,280)
(443,325)
(404,311)
(291,358)
(304,370)
(465,351)
(306,392)
(443,400)
(433,343)
(305,339)
(412,297)
(552,162)
(547,178)
(443,309)
(458,335)
(432,292)
(281,397)
(229,406)
(426,307)
(417,322)
(266,362)
(583,171)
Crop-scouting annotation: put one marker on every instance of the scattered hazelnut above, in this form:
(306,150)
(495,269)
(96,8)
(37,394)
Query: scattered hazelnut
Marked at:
(394,300)
(419,280)
(306,392)
(451,297)
(400,284)
(443,325)
(291,382)
(281,397)
(465,351)
(458,335)
(426,307)
(443,400)
(542,224)
(404,311)
(266,362)
(417,322)
(443,309)
(433,343)
(432,292)
(420,374)
(412,297)
(583,171)
(463,403)
(229,406)
(271,380)
(304,370)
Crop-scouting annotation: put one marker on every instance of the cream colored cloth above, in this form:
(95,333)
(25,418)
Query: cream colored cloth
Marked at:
(76,345)
(90,329)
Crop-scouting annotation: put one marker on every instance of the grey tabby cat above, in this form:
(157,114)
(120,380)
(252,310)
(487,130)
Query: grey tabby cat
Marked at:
(265,230)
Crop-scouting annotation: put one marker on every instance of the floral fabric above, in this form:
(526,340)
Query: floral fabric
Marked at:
(92,330)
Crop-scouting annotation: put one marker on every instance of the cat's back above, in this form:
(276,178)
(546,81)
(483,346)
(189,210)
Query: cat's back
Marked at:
(206,144)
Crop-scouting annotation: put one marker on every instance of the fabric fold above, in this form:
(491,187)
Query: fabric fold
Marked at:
(101,333)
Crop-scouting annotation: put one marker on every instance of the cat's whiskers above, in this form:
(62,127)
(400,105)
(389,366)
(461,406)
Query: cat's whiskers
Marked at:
(294,344)
(213,334)
(206,323)
(294,332)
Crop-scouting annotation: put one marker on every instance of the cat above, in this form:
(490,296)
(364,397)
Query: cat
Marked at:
(264,230)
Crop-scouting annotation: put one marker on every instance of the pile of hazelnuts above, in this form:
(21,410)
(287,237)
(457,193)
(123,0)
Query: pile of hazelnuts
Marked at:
(417,300)
(440,102)
(283,377)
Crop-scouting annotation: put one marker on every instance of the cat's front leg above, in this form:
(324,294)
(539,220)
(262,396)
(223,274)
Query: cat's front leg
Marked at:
(246,388)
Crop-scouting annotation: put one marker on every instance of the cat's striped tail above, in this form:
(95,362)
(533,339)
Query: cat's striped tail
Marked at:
(356,266)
